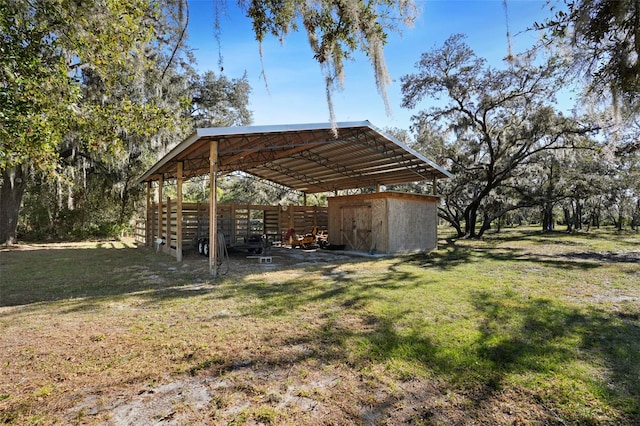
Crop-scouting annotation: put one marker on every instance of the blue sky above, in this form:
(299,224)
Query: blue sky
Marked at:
(296,91)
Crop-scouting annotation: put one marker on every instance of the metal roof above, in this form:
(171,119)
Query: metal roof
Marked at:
(306,157)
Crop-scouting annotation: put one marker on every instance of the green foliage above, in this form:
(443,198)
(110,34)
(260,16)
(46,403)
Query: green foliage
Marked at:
(35,89)
(245,189)
(69,73)
(494,123)
(47,44)
(219,101)
(336,30)
(93,94)
(604,44)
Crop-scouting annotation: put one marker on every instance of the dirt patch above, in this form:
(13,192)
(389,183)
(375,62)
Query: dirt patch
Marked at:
(173,403)
(330,394)
(281,259)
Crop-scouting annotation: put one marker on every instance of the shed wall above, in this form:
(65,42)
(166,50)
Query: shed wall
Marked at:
(384,222)
(413,224)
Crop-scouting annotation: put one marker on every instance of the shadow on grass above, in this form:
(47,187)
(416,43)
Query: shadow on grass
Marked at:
(580,238)
(512,335)
(553,341)
(574,361)
(335,288)
(88,275)
(451,255)
(539,341)
(44,275)
(585,357)
(41,275)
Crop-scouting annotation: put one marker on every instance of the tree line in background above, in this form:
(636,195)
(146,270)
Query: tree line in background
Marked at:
(513,156)
(93,92)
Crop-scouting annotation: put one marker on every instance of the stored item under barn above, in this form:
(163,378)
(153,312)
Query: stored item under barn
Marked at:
(310,158)
(243,226)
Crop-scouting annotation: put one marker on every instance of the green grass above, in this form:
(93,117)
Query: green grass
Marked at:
(521,327)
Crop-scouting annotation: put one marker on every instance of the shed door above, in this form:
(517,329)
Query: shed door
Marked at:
(355,227)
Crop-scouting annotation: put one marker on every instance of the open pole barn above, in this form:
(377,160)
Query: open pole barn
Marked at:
(310,158)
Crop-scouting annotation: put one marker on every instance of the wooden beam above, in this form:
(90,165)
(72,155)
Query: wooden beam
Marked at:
(260,155)
(179,214)
(213,209)
(167,245)
(160,183)
(148,237)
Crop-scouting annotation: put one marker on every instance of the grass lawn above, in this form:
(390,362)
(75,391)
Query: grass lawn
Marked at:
(519,328)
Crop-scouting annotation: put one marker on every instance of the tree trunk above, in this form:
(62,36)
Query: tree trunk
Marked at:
(124,200)
(620,220)
(470,218)
(458,228)
(14,183)
(547,217)
(635,221)
(486,225)
(596,219)
(453,220)
(568,220)
(578,217)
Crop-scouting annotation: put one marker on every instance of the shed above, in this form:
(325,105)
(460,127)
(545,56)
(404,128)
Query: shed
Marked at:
(384,222)
(310,158)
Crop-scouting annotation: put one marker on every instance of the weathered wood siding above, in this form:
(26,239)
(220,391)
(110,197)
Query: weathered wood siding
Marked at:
(384,222)
(413,225)
(236,221)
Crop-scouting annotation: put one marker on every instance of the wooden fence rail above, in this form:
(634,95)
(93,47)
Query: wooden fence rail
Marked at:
(237,222)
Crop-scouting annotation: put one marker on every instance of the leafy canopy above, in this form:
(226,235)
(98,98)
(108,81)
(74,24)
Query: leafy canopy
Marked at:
(48,49)
(496,120)
(603,37)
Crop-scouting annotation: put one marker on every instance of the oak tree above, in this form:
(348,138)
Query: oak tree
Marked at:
(496,119)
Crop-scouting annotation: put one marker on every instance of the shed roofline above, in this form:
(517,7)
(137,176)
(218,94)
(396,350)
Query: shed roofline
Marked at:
(410,150)
(276,128)
(213,132)
(169,156)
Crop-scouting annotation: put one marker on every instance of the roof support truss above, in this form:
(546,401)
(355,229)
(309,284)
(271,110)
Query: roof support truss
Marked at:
(308,158)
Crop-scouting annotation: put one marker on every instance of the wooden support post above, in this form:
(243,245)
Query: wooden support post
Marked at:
(213,209)
(179,213)
(315,216)
(304,198)
(167,246)
(435,185)
(148,234)
(291,213)
(160,229)
(152,225)
(233,234)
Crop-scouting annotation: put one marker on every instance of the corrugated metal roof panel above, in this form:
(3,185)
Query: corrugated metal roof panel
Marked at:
(305,157)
